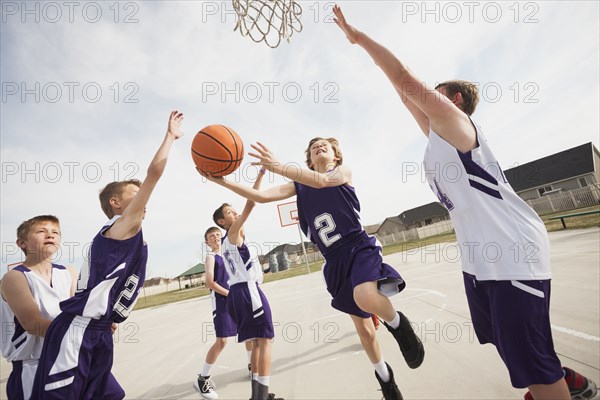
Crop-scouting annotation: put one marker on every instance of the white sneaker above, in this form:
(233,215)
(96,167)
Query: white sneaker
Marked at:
(205,386)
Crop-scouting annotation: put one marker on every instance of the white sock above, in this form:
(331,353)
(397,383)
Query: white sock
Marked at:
(206,369)
(254,377)
(249,356)
(382,370)
(263,380)
(395,323)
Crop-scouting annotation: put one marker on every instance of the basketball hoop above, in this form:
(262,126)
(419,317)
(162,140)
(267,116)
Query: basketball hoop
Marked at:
(268,20)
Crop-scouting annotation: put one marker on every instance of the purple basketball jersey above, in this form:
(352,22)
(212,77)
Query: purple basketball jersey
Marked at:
(327,215)
(220,274)
(111,280)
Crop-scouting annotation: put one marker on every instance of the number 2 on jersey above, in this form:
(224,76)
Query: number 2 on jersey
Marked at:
(325,225)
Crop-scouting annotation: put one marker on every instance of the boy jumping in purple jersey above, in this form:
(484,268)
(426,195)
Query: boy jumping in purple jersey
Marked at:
(78,350)
(356,276)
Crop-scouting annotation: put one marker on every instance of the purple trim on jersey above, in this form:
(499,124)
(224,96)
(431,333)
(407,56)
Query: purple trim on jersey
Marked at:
(327,213)
(485,189)
(19,330)
(109,258)
(517,321)
(472,168)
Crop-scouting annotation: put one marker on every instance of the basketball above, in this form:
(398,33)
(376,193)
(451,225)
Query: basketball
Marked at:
(217,150)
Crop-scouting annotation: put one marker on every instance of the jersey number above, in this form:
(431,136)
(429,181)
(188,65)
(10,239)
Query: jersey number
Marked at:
(325,225)
(230,263)
(127,294)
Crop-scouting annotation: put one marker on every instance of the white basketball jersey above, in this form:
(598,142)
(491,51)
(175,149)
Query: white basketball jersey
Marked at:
(500,236)
(17,344)
(241,263)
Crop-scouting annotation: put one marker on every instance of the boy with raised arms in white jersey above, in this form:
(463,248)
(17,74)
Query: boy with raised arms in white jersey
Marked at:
(31,293)
(508,295)
(356,276)
(78,351)
(246,302)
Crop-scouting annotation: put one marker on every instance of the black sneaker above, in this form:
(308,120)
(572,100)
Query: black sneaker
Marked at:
(205,387)
(389,389)
(410,344)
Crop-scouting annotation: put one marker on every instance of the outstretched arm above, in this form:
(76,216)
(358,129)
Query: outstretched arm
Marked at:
(443,116)
(131,221)
(260,196)
(338,176)
(236,231)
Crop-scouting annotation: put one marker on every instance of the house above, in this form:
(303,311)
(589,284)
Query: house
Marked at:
(575,168)
(418,217)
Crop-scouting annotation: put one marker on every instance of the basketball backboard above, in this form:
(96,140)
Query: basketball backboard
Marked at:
(288,213)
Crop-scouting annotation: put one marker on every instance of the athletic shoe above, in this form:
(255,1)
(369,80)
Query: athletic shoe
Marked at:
(580,387)
(410,344)
(205,387)
(389,389)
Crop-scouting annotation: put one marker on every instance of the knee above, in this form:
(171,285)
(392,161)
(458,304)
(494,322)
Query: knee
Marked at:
(366,334)
(221,342)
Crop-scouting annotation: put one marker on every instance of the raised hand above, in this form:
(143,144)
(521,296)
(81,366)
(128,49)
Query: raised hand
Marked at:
(265,156)
(340,20)
(174,128)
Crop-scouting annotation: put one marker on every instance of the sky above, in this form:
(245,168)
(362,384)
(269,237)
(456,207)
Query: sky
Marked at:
(87,88)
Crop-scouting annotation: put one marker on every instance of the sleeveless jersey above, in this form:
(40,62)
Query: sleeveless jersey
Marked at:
(500,236)
(327,215)
(241,263)
(111,279)
(219,273)
(17,344)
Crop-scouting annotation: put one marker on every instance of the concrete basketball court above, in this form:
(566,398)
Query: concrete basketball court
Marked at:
(317,355)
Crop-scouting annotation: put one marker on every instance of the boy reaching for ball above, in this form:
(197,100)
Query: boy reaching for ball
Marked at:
(246,302)
(356,276)
(224,324)
(78,349)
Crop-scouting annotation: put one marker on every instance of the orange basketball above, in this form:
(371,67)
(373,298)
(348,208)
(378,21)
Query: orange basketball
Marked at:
(217,150)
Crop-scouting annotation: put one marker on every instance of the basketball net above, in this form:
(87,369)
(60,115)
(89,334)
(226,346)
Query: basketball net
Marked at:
(268,20)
